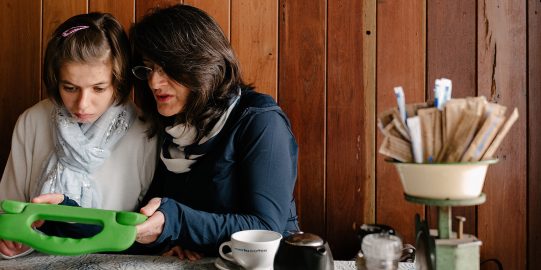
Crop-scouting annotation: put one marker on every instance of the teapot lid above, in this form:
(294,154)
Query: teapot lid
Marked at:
(304,240)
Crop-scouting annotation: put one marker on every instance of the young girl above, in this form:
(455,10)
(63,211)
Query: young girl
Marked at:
(86,141)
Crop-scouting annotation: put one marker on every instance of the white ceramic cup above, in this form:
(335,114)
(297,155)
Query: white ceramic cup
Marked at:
(252,249)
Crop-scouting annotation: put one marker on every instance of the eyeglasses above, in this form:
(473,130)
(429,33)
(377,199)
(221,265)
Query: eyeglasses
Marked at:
(144,72)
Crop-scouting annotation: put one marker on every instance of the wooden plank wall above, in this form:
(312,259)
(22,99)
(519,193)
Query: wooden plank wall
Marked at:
(501,77)
(302,84)
(347,125)
(451,55)
(534,133)
(20,69)
(400,61)
(331,65)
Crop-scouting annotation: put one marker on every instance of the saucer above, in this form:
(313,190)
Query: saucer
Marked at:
(226,265)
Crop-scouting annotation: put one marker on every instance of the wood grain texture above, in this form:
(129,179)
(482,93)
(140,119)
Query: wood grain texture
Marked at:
(254,36)
(491,46)
(220,10)
(451,40)
(20,68)
(451,55)
(369,109)
(347,159)
(302,96)
(400,61)
(123,10)
(142,7)
(534,133)
(502,78)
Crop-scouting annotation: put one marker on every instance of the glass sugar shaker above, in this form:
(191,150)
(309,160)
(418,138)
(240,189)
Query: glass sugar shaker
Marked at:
(379,252)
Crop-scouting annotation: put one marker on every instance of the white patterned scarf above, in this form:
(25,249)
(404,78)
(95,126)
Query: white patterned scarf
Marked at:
(80,149)
(184,136)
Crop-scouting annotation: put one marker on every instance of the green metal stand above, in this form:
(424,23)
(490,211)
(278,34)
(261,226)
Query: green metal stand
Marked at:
(445,217)
(452,253)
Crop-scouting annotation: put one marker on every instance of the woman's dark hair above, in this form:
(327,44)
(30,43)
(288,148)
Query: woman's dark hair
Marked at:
(192,50)
(85,38)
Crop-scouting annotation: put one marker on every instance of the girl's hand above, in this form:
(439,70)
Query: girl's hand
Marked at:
(10,248)
(150,230)
(182,254)
(51,198)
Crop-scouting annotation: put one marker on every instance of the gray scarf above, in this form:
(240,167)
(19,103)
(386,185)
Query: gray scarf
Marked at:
(80,149)
(184,135)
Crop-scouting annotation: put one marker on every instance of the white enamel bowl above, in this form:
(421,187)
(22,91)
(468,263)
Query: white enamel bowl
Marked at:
(453,181)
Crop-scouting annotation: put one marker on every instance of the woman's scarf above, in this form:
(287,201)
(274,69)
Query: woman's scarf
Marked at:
(177,160)
(80,149)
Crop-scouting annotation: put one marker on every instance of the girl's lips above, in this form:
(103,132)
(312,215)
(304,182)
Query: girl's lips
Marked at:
(82,116)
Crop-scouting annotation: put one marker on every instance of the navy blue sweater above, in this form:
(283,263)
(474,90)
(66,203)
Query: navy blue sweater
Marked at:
(244,180)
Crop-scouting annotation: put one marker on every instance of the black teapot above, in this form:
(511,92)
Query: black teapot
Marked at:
(303,251)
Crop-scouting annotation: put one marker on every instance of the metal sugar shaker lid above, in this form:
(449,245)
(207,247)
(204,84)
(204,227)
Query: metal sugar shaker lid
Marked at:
(304,240)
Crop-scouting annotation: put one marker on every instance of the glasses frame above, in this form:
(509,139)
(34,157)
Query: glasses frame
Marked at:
(136,71)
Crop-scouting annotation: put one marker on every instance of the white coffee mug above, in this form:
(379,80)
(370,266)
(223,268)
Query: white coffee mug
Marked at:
(252,249)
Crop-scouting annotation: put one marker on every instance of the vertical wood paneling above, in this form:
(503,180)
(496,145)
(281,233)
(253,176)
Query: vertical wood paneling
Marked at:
(123,10)
(347,176)
(56,12)
(400,61)
(218,9)
(368,189)
(20,67)
(502,78)
(451,40)
(254,36)
(322,81)
(302,96)
(534,133)
(451,55)
(143,6)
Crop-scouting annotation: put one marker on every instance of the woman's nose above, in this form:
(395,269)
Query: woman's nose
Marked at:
(156,79)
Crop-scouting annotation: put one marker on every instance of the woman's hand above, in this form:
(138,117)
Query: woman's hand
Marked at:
(10,248)
(182,254)
(150,230)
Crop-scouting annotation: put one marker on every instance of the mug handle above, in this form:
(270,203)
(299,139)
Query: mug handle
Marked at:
(226,256)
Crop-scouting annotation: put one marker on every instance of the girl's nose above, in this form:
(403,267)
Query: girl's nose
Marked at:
(84,99)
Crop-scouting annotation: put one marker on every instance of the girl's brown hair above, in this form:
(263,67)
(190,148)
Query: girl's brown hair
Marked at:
(85,38)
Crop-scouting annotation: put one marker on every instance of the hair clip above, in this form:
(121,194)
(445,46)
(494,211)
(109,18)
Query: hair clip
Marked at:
(74,29)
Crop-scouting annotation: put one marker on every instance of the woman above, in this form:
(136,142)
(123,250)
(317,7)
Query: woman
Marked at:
(86,141)
(228,161)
